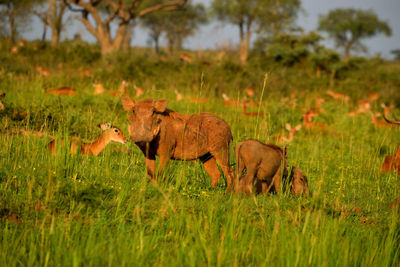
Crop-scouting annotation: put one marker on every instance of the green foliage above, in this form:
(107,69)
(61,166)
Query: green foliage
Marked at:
(324,58)
(176,24)
(396,53)
(348,27)
(286,54)
(289,49)
(269,15)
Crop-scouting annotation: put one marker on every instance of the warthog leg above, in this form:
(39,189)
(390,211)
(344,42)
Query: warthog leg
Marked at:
(212,169)
(151,167)
(223,161)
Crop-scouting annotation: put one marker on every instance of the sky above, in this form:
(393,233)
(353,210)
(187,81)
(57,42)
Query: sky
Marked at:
(216,33)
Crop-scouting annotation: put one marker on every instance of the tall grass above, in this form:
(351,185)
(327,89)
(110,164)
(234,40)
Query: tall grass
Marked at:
(90,211)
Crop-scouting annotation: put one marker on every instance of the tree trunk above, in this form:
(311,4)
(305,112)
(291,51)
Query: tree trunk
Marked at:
(128,37)
(101,28)
(348,47)
(244,42)
(156,39)
(55,21)
(170,45)
(13,27)
(332,79)
(242,46)
(109,46)
(46,21)
(318,72)
(44,33)
(55,37)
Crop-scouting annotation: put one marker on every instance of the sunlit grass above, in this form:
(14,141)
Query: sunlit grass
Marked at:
(82,210)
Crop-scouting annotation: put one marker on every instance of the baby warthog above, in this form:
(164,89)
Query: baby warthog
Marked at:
(266,166)
(159,131)
(298,182)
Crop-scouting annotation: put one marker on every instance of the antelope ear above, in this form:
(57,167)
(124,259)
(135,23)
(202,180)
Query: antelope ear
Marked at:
(298,127)
(160,105)
(104,126)
(288,127)
(127,103)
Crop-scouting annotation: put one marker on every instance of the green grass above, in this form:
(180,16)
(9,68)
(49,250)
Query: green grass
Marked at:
(91,211)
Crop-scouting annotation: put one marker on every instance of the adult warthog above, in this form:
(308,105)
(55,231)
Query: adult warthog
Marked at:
(159,131)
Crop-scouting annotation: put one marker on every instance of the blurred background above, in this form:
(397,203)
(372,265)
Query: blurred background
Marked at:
(365,28)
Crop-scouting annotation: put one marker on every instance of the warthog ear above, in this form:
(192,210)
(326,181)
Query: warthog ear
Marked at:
(127,103)
(160,105)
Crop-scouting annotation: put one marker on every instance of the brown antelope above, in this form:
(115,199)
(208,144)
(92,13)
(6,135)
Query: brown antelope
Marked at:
(386,109)
(292,132)
(179,96)
(307,120)
(1,104)
(364,106)
(85,72)
(43,71)
(111,133)
(343,97)
(64,90)
(248,114)
(139,91)
(229,102)
(121,90)
(98,89)
(185,58)
(14,49)
(250,92)
(392,162)
(318,103)
(290,101)
(373,96)
(378,122)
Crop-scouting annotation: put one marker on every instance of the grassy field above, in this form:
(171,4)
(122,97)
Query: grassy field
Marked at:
(95,211)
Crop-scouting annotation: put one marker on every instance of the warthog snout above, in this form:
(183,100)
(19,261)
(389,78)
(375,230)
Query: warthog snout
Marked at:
(145,118)
(299,182)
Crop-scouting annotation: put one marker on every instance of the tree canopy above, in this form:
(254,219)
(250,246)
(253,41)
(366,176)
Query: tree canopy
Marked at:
(348,27)
(176,24)
(269,15)
(15,16)
(97,16)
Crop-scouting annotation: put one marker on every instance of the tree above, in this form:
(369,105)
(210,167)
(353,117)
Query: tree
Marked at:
(278,16)
(183,23)
(155,24)
(396,54)
(176,24)
(16,14)
(275,14)
(53,17)
(102,13)
(348,27)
